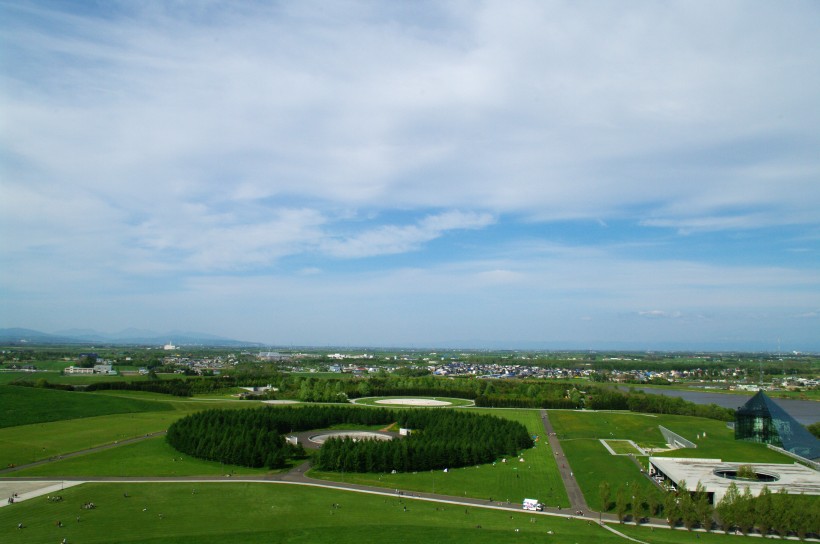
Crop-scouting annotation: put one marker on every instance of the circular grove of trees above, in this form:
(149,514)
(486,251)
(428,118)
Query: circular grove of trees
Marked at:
(439,438)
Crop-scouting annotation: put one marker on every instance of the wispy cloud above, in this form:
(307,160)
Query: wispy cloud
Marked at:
(597,161)
(660,314)
(391,239)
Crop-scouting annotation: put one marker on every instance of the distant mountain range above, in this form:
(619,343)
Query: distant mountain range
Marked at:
(141,337)
(19,336)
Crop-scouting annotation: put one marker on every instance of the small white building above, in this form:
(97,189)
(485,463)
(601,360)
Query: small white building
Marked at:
(73,370)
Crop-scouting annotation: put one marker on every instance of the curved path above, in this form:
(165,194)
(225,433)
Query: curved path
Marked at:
(35,487)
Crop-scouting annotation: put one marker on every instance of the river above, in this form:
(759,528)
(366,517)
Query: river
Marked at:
(804,411)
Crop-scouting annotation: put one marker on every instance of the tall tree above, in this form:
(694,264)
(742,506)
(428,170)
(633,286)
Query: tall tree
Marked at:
(703,509)
(605,494)
(670,508)
(765,513)
(745,511)
(727,507)
(783,514)
(688,513)
(652,502)
(638,511)
(620,504)
(805,522)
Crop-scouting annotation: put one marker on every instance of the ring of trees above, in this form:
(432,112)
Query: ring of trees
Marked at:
(439,438)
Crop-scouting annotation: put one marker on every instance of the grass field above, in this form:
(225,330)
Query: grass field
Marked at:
(28,443)
(719,441)
(642,428)
(537,477)
(265,513)
(623,447)
(261,512)
(592,464)
(149,457)
(55,376)
(27,405)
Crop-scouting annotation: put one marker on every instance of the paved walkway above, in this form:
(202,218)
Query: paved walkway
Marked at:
(82,452)
(30,488)
(576,498)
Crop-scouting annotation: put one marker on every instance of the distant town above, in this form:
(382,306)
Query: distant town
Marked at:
(743,372)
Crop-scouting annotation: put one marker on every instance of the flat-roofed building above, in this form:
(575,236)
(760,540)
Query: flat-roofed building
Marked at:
(715,475)
(78,370)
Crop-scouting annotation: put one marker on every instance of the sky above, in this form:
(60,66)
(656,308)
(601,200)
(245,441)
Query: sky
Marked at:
(519,174)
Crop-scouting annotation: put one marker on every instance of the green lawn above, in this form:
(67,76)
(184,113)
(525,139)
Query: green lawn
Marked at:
(55,376)
(592,464)
(149,457)
(641,428)
(623,447)
(27,405)
(27,443)
(537,477)
(264,513)
(579,432)
(261,512)
(716,439)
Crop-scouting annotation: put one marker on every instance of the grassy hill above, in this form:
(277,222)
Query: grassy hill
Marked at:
(27,405)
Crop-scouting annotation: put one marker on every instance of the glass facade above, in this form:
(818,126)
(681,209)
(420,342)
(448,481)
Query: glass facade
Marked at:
(762,420)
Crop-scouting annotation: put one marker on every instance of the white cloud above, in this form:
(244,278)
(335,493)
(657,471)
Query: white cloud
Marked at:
(159,147)
(543,108)
(654,314)
(391,239)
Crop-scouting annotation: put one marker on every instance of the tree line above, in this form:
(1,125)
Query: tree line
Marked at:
(768,513)
(485,393)
(177,386)
(638,401)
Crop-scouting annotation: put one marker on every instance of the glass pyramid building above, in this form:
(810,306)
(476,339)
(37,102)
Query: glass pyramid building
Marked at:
(761,420)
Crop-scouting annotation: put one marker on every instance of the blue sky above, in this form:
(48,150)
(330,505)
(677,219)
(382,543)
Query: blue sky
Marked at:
(638,175)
